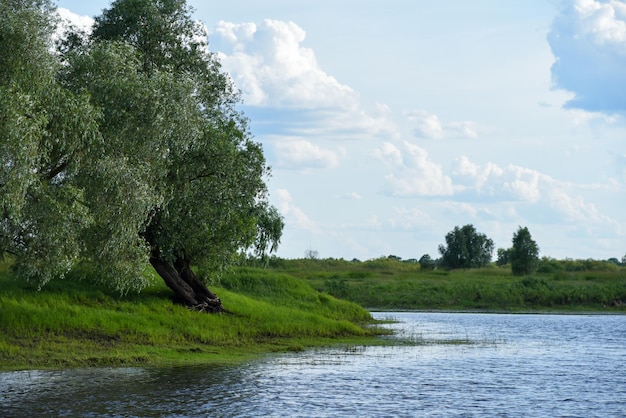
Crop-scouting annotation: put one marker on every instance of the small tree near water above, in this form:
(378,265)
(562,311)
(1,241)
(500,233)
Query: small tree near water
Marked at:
(524,255)
(466,248)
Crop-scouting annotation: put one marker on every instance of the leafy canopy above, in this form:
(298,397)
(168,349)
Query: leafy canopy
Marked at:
(524,254)
(123,147)
(466,248)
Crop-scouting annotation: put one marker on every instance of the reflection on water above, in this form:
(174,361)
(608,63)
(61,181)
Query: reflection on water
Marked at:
(463,365)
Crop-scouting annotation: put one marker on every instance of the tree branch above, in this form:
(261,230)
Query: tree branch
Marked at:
(57,170)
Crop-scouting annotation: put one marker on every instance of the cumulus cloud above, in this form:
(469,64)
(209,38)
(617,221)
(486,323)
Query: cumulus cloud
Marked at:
(409,218)
(70,20)
(509,183)
(465,210)
(544,197)
(269,64)
(272,68)
(472,175)
(301,154)
(588,39)
(412,172)
(351,196)
(428,125)
(574,208)
(294,216)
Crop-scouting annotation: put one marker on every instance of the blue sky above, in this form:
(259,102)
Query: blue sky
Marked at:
(389,123)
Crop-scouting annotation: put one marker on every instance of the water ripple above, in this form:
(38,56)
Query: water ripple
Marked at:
(497,365)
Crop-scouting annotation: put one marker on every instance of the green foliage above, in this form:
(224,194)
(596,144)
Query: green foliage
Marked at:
(42,125)
(336,286)
(124,147)
(466,248)
(285,289)
(504,257)
(76,322)
(524,254)
(270,226)
(427,262)
(379,285)
(161,30)
(551,265)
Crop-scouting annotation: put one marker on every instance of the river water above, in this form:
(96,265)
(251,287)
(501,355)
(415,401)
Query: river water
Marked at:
(444,364)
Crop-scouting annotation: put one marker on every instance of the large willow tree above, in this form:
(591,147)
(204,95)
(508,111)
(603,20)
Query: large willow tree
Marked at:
(125,149)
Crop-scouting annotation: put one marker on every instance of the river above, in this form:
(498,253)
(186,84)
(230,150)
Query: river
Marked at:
(443,364)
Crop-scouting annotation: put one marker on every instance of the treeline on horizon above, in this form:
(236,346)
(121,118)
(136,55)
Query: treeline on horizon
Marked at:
(546,264)
(467,248)
(389,282)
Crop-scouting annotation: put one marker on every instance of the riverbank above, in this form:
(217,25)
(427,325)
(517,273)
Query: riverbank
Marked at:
(286,306)
(76,323)
(389,284)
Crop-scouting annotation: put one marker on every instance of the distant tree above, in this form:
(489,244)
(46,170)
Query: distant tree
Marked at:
(524,255)
(394,257)
(426,262)
(504,256)
(270,226)
(466,248)
(311,254)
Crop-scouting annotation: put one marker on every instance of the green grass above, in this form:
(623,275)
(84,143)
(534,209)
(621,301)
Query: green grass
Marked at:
(389,284)
(74,323)
(287,306)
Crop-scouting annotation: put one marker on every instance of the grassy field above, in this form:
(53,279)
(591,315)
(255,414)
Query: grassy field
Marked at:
(390,284)
(72,323)
(288,305)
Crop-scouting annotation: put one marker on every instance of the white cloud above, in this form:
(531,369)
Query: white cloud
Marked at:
(512,182)
(588,39)
(428,125)
(269,64)
(390,154)
(585,118)
(351,196)
(466,210)
(409,218)
(412,172)
(539,192)
(274,71)
(294,216)
(523,183)
(602,21)
(68,20)
(574,208)
(474,176)
(302,155)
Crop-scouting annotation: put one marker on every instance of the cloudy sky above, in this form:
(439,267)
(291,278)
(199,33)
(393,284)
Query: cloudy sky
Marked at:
(388,123)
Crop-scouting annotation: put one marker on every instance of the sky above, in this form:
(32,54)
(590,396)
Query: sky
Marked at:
(388,123)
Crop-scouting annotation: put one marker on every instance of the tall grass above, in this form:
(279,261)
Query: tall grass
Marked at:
(391,284)
(76,323)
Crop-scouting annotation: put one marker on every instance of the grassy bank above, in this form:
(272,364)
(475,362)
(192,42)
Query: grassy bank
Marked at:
(72,323)
(286,306)
(390,284)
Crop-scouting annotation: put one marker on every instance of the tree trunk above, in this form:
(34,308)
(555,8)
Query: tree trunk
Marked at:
(188,289)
